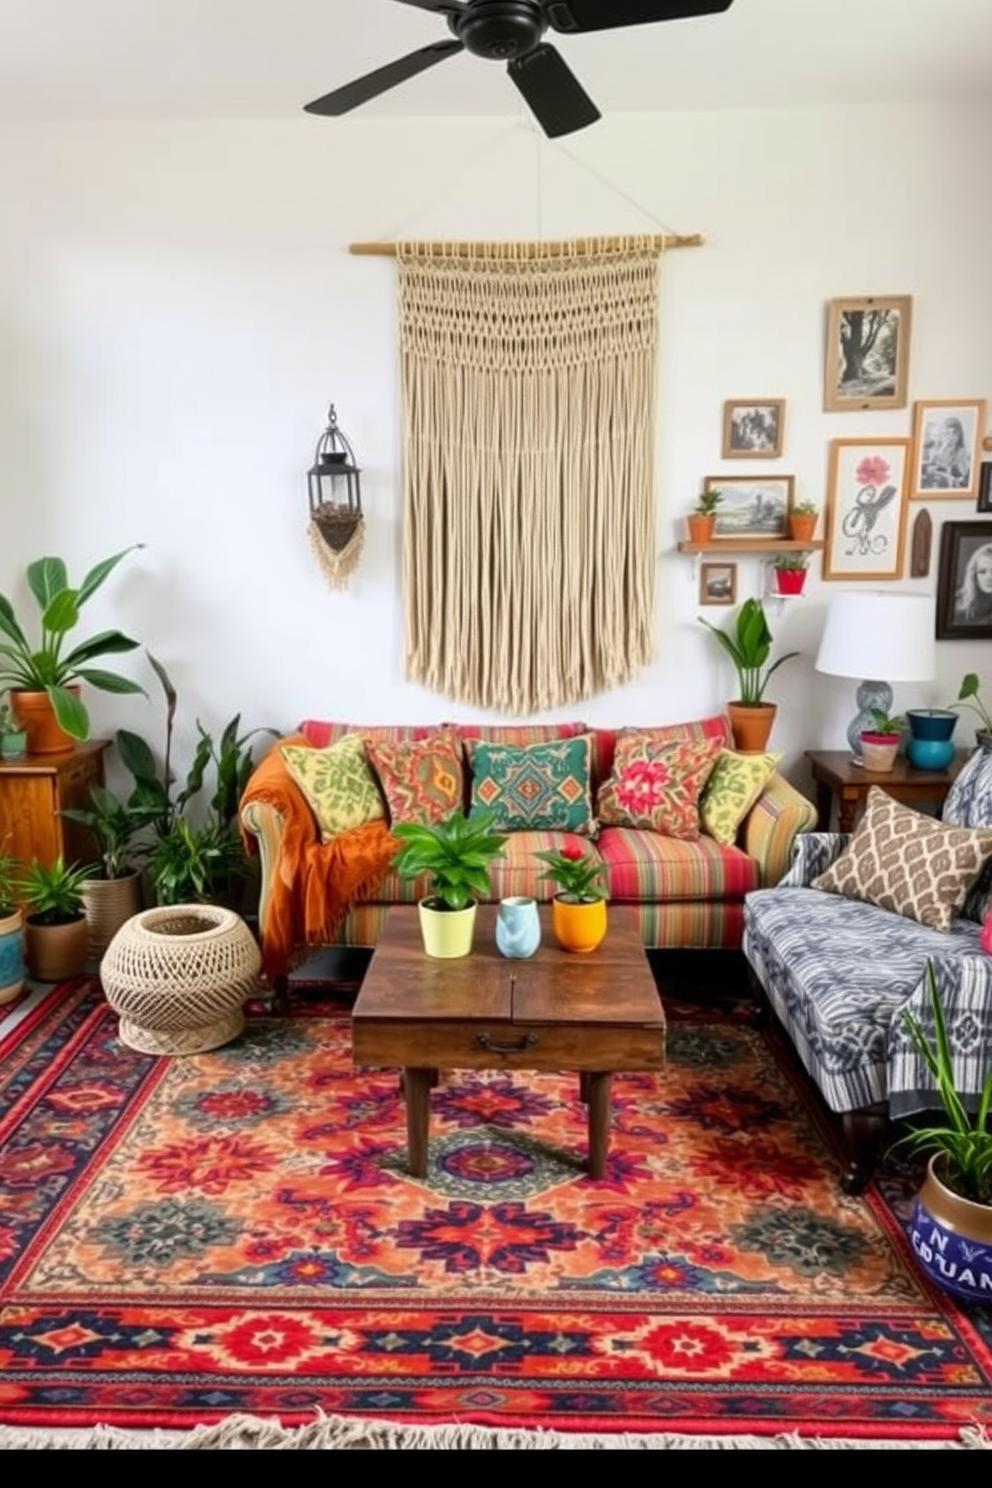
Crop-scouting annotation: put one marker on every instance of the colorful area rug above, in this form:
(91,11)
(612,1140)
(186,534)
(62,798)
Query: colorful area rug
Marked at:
(187,1240)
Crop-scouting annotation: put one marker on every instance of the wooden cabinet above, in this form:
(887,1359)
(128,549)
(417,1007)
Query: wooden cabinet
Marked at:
(34,789)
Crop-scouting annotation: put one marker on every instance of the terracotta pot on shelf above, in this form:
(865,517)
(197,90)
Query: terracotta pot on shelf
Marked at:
(701,526)
(751,725)
(36,717)
(802,525)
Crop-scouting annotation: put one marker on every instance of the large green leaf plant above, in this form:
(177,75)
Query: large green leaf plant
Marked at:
(749,646)
(457,854)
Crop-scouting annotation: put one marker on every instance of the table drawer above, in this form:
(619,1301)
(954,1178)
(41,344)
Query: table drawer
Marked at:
(501,1044)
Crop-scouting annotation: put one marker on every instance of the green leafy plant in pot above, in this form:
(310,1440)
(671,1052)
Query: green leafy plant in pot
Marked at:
(578,909)
(56,941)
(456,854)
(968,697)
(951,1227)
(112,893)
(44,678)
(749,644)
(880,743)
(11,930)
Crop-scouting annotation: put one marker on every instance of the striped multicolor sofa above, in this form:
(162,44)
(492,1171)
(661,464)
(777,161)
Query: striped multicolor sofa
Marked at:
(684,894)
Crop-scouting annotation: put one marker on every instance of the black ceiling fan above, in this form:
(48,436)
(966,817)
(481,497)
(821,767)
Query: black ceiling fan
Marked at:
(511,31)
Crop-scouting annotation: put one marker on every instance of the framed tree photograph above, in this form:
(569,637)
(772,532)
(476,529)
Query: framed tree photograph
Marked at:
(753,428)
(752,506)
(947,436)
(866,508)
(718,583)
(964,582)
(985,487)
(867,364)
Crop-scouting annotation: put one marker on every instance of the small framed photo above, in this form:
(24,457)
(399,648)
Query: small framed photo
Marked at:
(867,363)
(753,428)
(947,436)
(964,582)
(866,508)
(718,583)
(752,506)
(985,487)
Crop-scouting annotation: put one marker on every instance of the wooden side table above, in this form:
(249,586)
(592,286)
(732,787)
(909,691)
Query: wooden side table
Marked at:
(34,789)
(836,775)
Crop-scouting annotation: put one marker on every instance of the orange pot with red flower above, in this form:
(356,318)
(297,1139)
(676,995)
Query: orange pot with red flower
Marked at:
(578,910)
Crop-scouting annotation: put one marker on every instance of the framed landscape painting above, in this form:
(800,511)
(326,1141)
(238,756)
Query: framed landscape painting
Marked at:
(867,363)
(947,436)
(753,428)
(752,506)
(866,508)
(964,582)
(718,584)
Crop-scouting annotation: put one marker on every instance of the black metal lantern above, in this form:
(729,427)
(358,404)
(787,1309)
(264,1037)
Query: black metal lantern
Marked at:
(334,486)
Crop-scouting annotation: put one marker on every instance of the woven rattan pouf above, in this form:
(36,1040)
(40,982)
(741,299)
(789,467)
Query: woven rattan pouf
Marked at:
(179,976)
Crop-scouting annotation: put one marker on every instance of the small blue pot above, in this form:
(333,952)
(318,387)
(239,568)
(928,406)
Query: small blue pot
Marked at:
(952,1240)
(930,754)
(932,723)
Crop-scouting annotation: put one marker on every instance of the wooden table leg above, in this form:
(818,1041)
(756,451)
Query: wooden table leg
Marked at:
(417,1088)
(824,804)
(598,1085)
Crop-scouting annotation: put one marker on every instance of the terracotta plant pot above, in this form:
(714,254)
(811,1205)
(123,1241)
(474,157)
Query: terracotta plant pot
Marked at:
(751,725)
(701,526)
(952,1239)
(56,952)
(802,526)
(878,752)
(37,718)
(790,580)
(579,926)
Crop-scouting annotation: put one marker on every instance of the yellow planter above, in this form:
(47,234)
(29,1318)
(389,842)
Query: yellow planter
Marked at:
(447,933)
(578,927)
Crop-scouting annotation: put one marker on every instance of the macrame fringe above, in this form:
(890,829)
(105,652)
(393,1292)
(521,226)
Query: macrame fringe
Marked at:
(344,1434)
(529,411)
(337,537)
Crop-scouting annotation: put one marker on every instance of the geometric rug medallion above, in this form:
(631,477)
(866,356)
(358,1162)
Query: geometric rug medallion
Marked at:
(183,1239)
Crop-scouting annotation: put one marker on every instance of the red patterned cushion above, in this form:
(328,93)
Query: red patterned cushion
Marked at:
(716,726)
(423,780)
(657,785)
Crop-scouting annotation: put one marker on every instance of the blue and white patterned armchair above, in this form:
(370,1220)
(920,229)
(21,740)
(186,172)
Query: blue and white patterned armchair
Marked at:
(838,973)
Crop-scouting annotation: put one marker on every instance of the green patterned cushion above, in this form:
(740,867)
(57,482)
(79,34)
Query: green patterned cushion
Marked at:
(338,783)
(735,783)
(657,785)
(423,780)
(536,788)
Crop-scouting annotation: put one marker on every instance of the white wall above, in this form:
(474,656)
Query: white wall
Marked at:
(177,310)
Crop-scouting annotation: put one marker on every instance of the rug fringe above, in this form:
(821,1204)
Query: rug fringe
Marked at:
(339,1433)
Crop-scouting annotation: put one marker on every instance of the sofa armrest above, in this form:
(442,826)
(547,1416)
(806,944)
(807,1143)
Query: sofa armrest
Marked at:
(771,827)
(964,981)
(263,825)
(272,801)
(812,854)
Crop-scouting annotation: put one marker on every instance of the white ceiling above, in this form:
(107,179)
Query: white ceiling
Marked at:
(105,59)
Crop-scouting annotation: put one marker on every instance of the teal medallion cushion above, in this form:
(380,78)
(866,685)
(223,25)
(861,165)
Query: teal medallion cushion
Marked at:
(535,787)
(338,783)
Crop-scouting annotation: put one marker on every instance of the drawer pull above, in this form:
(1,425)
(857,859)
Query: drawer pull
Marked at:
(527,1042)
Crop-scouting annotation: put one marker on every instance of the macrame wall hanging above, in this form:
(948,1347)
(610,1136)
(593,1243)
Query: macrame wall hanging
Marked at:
(529,376)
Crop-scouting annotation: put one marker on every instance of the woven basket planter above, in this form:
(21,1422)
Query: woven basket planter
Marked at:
(178,976)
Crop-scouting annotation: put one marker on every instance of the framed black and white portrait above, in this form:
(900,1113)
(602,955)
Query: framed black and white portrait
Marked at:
(964,583)
(753,428)
(947,436)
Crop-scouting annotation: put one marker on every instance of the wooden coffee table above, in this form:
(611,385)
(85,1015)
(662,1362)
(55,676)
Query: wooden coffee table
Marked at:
(596,1014)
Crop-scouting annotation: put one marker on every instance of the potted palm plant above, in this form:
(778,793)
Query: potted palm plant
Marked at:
(456,854)
(43,678)
(578,909)
(951,1227)
(56,942)
(11,931)
(749,646)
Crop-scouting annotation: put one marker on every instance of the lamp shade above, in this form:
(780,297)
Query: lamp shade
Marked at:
(879,635)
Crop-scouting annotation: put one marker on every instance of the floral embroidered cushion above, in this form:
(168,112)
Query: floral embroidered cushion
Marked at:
(423,780)
(338,783)
(912,864)
(734,785)
(657,785)
(535,788)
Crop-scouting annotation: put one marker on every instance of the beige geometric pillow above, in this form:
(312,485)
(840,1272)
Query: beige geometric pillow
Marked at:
(338,782)
(902,860)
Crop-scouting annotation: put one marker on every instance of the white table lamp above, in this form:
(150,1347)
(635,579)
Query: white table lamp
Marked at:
(881,638)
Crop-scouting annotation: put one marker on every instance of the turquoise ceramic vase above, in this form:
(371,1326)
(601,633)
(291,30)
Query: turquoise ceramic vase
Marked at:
(518,928)
(931,746)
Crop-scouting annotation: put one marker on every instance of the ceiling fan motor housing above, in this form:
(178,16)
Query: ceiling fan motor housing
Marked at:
(499,29)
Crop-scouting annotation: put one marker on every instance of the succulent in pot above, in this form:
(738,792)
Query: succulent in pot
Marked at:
(702,519)
(56,941)
(46,666)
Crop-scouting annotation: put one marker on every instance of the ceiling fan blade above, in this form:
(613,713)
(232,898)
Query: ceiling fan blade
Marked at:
(607,15)
(444,7)
(551,90)
(343,100)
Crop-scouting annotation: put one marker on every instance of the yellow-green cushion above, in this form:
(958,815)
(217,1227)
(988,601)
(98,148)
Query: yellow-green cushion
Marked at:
(734,785)
(339,784)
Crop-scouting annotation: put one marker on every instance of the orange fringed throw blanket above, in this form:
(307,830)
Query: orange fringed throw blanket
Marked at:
(315,883)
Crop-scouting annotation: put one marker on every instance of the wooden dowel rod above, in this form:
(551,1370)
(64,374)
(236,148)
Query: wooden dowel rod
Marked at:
(532,250)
